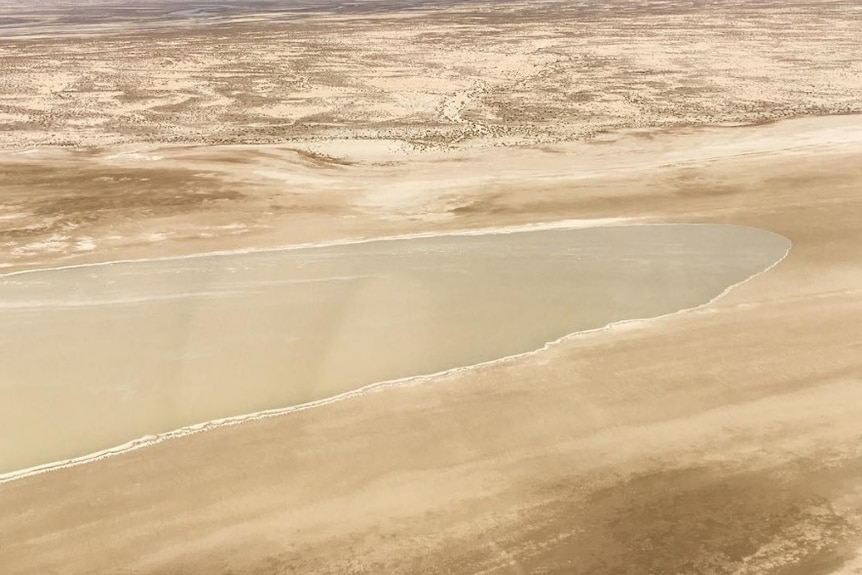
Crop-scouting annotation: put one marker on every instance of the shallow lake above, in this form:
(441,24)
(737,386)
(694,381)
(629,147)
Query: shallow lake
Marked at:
(94,356)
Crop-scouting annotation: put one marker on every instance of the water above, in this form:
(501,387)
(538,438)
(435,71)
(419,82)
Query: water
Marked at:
(92,357)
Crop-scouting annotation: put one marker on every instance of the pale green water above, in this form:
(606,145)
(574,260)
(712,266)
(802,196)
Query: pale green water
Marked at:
(92,357)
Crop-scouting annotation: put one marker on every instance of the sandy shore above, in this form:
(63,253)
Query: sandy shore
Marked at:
(722,440)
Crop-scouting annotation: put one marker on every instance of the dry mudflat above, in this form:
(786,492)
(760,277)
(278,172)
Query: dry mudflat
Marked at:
(720,440)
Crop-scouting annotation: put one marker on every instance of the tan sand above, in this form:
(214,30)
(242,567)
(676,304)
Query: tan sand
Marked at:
(724,440)
(725,437)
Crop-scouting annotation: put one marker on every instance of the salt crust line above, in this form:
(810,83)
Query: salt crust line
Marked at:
(559,225)
(149,440)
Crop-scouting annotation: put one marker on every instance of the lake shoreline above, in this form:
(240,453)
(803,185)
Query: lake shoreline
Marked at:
(186,430)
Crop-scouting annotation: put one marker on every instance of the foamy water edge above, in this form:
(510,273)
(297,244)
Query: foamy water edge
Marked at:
(150,440)
(558,225)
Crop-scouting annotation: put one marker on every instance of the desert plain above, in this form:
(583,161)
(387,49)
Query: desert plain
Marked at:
(723,439)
